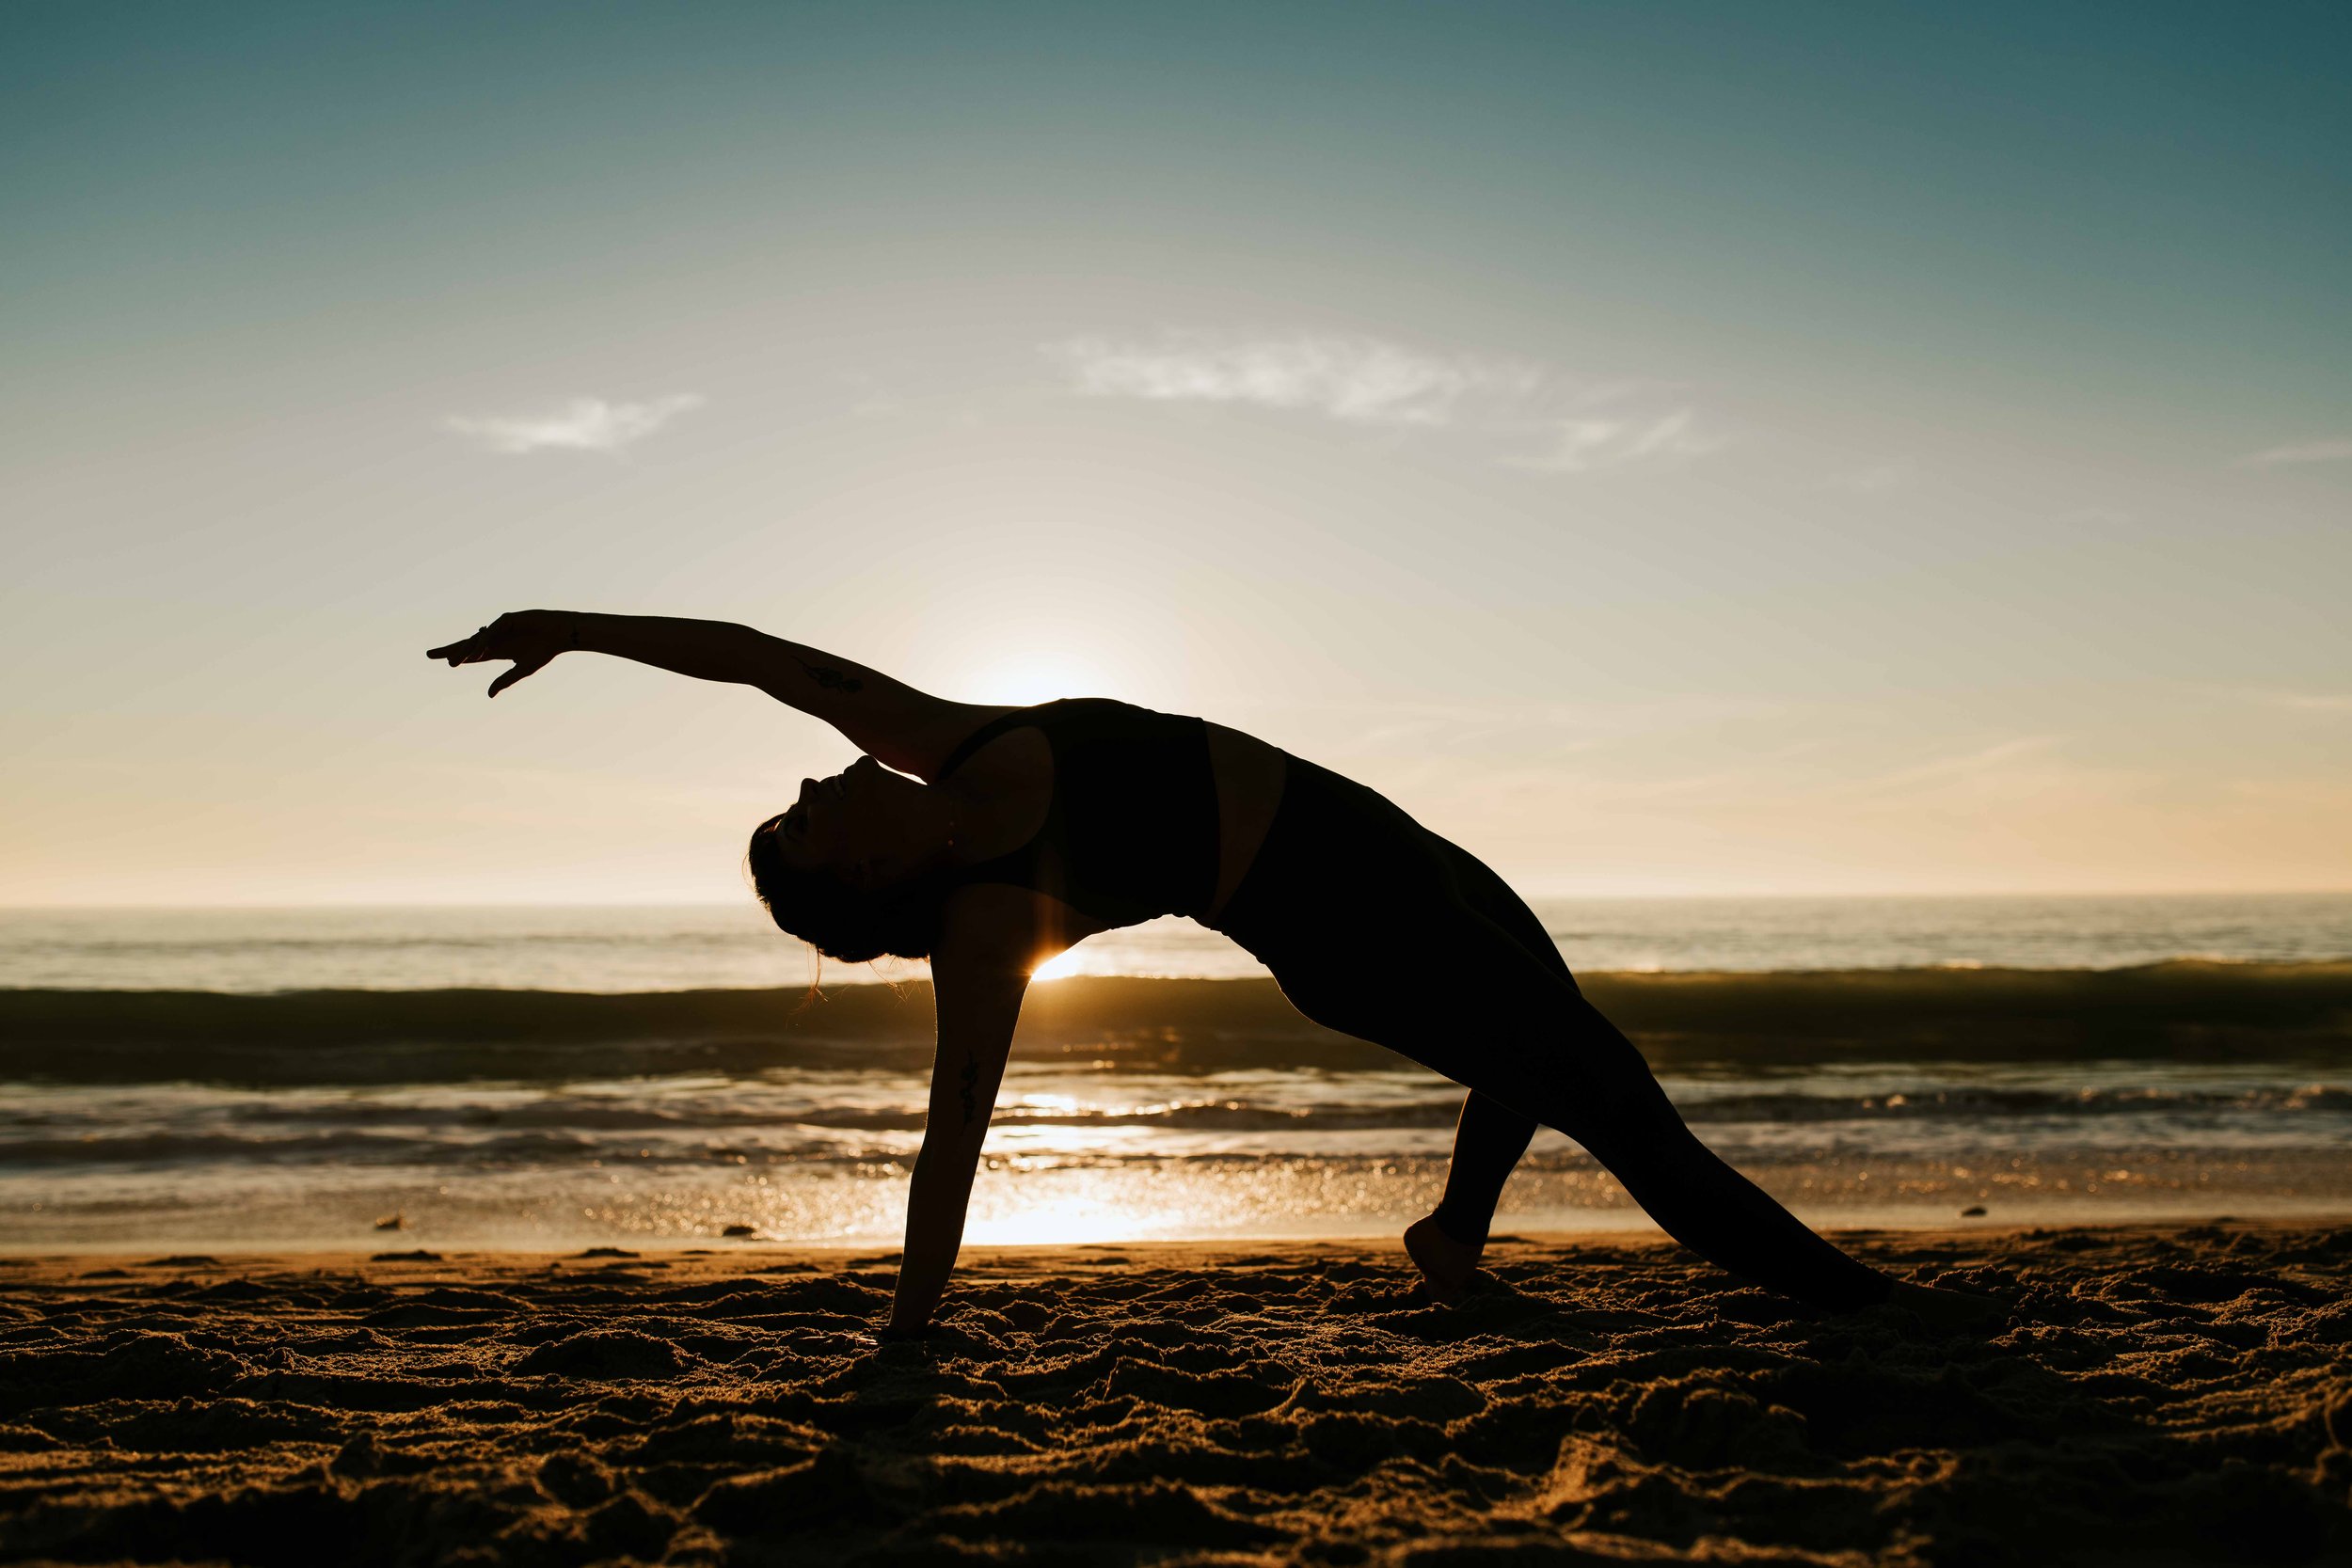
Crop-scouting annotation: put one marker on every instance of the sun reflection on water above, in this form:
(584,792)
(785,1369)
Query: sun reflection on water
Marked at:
(1087,1214)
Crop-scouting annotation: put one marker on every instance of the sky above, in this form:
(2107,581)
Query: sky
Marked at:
(1670,449)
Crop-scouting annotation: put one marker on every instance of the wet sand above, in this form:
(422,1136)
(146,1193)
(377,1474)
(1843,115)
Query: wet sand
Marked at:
(2161,1395)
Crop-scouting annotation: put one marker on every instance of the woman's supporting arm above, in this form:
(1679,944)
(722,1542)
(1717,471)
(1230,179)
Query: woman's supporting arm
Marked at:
(906,728)
(979,1005)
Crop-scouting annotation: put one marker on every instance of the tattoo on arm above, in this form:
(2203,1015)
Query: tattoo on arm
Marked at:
(831,678)
(971,1092)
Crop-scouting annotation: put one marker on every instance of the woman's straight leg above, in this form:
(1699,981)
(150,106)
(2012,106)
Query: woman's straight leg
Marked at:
(1700,1200)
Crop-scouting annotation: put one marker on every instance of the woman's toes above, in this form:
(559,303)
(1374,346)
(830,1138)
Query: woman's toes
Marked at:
(1446,1265)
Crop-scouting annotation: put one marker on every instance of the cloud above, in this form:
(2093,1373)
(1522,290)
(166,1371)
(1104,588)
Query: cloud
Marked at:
(1581,445)
(1454,727)
(583,424)
(1998,761)
(2300,701)
(1550,421)
(2277,699)
(2308,451)
(1358,379)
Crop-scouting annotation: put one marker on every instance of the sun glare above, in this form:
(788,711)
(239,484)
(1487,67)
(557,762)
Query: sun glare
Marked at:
(1061,964)
(1036,675)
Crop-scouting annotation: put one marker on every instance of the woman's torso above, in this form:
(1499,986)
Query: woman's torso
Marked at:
(1117,813)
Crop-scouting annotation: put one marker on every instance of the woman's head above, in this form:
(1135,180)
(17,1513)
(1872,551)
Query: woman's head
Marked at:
(854,867)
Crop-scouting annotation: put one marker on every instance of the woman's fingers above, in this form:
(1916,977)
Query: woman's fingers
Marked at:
(482,644)
(508,637)
(465,650)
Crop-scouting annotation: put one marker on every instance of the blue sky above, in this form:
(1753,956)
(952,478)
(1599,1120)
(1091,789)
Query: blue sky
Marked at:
(1668,448)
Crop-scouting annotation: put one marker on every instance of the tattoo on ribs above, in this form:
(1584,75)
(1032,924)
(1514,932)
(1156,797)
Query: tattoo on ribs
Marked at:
(831,678)
(971,1092)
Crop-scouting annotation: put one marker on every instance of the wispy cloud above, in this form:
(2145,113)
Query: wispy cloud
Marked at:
(1454,727)
(2298,702)
(1999,764)
(583,424)
(2275,699)
(1581,445)
(1549,420)
(2307,451)
(1358,379)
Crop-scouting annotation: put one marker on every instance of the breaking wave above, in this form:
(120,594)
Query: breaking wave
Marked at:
(2190,1010)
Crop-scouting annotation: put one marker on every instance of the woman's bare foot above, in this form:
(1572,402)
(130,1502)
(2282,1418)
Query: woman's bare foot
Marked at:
(1446,1265)
(1949,1311)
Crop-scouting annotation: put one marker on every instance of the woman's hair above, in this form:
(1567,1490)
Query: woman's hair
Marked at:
(837,920)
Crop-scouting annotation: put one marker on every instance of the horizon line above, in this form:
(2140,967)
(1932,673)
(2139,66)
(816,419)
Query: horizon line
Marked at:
(1858,896)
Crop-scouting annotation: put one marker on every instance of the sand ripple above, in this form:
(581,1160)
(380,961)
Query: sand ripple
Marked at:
(2160,1396)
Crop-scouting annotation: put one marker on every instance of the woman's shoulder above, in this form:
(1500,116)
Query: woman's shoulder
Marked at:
(998,924)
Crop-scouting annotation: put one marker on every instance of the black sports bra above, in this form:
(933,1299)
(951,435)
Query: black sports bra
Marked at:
(1130,832)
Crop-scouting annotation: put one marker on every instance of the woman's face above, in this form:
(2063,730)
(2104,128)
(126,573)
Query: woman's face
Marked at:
(847,824)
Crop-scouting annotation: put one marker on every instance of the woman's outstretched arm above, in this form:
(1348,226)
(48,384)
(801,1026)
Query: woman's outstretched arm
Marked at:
(906,728)
(979,1005)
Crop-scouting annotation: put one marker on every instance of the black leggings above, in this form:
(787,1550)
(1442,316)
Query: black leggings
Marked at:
(1472,987)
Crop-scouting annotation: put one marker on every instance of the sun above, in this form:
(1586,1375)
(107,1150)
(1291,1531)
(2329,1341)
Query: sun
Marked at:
(1066,962)
(1034,676)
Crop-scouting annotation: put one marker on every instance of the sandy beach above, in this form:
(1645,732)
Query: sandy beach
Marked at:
(2160,1395)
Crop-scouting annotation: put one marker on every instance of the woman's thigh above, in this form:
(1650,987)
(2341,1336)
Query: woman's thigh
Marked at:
(1480,888)
(1379,928)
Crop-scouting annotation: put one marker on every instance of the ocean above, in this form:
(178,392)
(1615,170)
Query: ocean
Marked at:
(202,1080)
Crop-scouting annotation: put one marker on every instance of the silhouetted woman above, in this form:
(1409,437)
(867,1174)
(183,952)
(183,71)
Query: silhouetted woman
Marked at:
(989,839)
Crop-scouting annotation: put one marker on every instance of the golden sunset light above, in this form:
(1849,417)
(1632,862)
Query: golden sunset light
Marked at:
(1213,786)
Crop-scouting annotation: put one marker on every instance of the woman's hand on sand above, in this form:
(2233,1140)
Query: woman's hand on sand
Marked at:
(882,1338)
(532,638)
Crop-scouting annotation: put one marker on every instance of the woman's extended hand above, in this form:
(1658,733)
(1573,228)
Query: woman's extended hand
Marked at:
(532,638)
